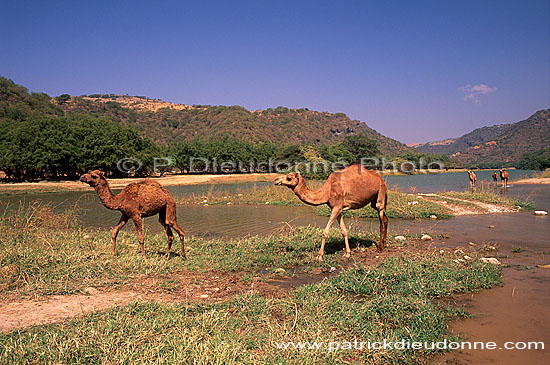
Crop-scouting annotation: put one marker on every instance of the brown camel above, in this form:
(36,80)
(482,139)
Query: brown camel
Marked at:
(504,176)
(495,177)
(472,177)
(137,200)
(351,188)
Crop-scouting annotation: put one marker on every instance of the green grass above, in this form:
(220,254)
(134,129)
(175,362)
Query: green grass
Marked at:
(397,207)
(489,195)
(393,301)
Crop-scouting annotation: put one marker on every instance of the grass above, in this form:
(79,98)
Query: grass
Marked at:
(542,174)
(398,203)
(42,253)
(487,193)
(393,301)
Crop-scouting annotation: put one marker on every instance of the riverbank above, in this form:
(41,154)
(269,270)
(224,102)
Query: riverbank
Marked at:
(170,180)
(534,180)
(400,205)
(231,301)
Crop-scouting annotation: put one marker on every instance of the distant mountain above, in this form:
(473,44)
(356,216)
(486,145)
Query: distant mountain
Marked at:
(498,144)
(167,122)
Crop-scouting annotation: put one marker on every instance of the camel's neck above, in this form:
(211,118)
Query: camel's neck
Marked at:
(312,197)
(106,196)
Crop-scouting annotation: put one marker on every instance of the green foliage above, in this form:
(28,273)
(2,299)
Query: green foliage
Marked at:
(538,160)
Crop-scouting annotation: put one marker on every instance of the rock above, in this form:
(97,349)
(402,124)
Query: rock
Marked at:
(543,266)
(205,201)
(441,251)
(400,238)
(466,257)
(203,296)
(280,270)
(541,212)
(491,226)
(490,260)
(413,203)
(86,236)
(266,203)
(472,244)
(332,269)
(426,237)
(433,216)
(91,291)
(458,250)
(229,203)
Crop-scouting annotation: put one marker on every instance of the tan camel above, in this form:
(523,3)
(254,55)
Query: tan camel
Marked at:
(504,176)
(495,177)
(137,200)
(351,188)
(472,177)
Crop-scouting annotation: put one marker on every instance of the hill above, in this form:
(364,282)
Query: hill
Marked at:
(498,144)
(167,122)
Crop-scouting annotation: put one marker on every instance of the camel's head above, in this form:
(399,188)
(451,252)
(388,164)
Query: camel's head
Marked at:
(290,180)
(93,178)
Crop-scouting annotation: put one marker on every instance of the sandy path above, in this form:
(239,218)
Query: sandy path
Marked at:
(534,180)
(466,207)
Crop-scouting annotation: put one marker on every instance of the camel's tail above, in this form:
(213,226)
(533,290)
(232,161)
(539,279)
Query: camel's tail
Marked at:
(382,196)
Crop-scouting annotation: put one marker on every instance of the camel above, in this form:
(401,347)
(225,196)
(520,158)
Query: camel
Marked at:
(350,188)
(137,200)
(495,177)
(504,176)
(472,177)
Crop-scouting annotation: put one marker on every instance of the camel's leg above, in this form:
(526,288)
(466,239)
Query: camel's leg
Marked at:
(139,228)
(344,231)
(168,230)
(335,213)
(171,221)
(117,228)
(383,218)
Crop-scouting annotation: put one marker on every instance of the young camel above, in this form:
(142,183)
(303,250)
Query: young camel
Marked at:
(495,177)
(472,177)
(504,177)
(351,188)
(136,201)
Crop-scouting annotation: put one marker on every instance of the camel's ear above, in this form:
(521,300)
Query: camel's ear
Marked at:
(297,173)
(100,173)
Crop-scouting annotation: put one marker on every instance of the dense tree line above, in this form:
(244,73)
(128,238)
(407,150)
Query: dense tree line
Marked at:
(38,140)
(538,160)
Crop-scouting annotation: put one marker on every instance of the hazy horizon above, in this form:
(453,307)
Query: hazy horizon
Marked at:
(414,71)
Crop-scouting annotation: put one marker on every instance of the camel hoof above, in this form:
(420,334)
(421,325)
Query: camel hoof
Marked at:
(347,255)
(319,258)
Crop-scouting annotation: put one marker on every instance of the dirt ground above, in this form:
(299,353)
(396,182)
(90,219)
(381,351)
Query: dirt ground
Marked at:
(181,287)
(534,180)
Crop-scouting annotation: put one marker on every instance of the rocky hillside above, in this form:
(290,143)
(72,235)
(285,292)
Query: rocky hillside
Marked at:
(503,143)
(166,122)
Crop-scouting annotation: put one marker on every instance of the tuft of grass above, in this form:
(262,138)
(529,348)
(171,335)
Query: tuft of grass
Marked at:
(489,195)
(400,205)
(542,174)
(393,301)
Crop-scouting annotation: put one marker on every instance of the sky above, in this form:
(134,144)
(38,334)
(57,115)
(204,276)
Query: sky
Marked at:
(416,71)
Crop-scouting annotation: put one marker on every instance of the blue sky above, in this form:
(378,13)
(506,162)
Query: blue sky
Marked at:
(416,70)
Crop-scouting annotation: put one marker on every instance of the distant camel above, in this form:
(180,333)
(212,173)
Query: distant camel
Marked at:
(472,177)
(351,188)
(504,177)
(144,198)
(495,177)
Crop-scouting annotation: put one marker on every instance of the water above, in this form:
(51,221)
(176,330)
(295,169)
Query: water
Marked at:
(457,181)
